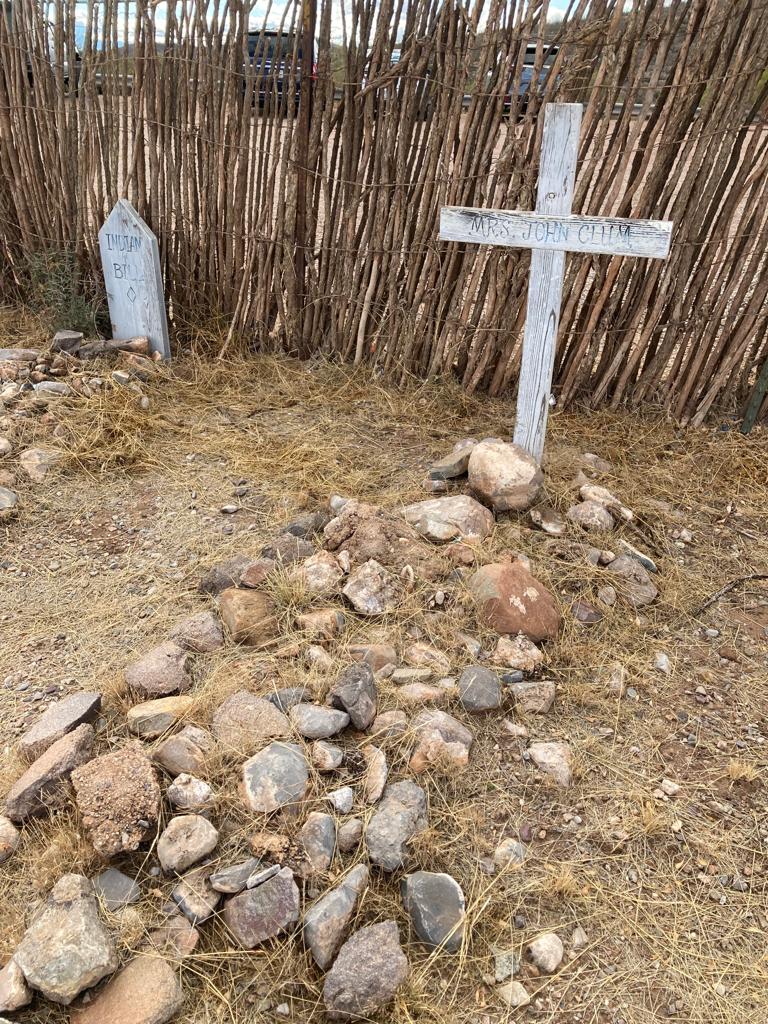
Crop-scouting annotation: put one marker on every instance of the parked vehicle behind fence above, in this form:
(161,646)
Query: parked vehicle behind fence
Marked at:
(274,62)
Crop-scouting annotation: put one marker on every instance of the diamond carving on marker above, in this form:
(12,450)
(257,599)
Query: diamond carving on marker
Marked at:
(131,294)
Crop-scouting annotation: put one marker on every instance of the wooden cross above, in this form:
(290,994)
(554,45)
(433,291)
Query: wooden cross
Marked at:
(551,232)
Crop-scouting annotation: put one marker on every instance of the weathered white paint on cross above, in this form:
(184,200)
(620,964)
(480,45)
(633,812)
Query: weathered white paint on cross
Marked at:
(550,232)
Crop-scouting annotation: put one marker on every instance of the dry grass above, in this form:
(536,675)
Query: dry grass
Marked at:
(297,433)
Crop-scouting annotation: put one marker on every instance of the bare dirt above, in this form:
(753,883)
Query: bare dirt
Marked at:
(105,557)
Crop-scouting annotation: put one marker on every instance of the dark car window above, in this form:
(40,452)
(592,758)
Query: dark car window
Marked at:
(270,46)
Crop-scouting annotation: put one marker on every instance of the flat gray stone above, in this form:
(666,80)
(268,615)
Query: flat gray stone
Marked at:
(116,890)
(278,775)
(152,718)
(349,834)
(479,690)
(454,517)
(195,896)
(59,719)
(234,879)
(454,464)
(401,814)
(224,575)
(263,912)
(315,722)
(436,906)
(289,697)
(326,923)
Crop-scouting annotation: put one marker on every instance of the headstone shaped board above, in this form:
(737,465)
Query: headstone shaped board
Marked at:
(130,259)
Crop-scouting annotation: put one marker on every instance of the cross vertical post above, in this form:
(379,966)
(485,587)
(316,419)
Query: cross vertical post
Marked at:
(557,175)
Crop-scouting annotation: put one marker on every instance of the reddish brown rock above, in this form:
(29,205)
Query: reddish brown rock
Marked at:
(375,655)
(323,624)
(147,991)
(510,600)
(46,782)
(254,574)
(119,799)
(249,616)
(264,912)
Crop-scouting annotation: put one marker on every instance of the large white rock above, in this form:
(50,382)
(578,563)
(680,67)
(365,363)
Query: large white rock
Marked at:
(504,476)
(452,518)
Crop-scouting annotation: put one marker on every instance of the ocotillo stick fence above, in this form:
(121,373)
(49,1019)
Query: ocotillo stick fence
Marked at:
(316,229)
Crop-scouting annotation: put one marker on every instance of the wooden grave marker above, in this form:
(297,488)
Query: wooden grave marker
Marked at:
(550,232)
(130,259)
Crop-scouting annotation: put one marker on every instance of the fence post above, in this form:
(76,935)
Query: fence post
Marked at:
(301,242)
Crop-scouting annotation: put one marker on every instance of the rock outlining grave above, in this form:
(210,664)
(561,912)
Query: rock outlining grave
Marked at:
(436,906)
(315,722)
(154,717)
(66,949)
(401,814)
(355,692)
(60,718)
(185,841)
(116,890)
(264,912)
(367,974)
(46,782)
(130,259)
(278,775)
(318,840)
(510,600)
(479,689)
(245,722)
(186,751)
(249,616)
(14,991)
(327,922)
(458,517)
(160,672)
(118,797)
(504,476)
(146,991)
(442,742)
(200,633)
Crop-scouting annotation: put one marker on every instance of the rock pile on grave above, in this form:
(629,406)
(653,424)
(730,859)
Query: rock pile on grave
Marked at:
(316,775)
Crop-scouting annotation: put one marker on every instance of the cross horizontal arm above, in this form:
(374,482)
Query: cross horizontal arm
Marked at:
(615,236)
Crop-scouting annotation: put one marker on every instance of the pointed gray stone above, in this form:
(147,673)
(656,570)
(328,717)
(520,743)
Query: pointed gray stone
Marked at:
(234,879)
(401,814)
(355,692)
(326,923)
(59,719)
